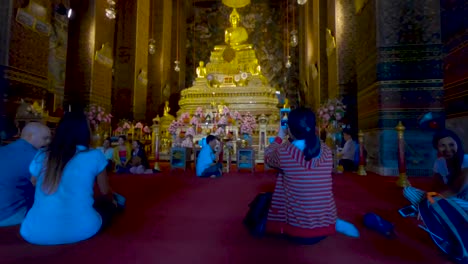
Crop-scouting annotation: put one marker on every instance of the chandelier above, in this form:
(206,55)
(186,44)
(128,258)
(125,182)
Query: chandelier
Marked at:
(301,2)
(110,10)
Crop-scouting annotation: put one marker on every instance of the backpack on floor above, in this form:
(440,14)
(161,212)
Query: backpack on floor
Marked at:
(447,225)
(377,223)
(256,217)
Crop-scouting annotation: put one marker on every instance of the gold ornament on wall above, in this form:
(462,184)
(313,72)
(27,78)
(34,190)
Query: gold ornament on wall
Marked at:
(104,55)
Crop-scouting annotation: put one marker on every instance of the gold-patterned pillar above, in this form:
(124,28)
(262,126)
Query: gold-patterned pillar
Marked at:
(141,60)
(331,50)
(309,54)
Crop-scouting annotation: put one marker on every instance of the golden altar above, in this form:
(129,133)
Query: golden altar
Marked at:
(232,75)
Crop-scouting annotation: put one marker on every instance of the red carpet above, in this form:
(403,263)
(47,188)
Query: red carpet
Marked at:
(176,218)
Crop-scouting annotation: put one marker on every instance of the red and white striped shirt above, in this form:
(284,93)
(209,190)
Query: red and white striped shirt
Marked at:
(303,204)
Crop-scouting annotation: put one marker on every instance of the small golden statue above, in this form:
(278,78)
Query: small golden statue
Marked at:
(167,109)
(236,34)
(221,108)
(201,70)
(286,104)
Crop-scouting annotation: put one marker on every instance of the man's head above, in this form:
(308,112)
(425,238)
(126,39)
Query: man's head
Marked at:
(212,141)
(36,134)
(347,134)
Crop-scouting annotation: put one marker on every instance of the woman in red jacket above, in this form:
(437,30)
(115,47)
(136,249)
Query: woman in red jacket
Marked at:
(302,207)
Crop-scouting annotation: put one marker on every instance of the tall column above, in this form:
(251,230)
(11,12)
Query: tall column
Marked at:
(309,50)
(124,66)
(345,28)
(80,54)
(454,35)
(141,59)
(160,64)
(6,11)
(399,72)
(322,43)
(89,55)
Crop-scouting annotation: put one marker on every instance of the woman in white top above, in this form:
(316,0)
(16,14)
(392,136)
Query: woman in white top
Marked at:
(63,211)
(450,171)
(108,152)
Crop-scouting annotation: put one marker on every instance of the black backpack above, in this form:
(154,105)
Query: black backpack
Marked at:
(256,217)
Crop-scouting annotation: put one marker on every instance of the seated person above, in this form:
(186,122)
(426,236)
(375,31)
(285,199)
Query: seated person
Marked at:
(108,152)
(122,155)
(16,188)
(348,153)
(207,161)
(139,163)
(66,171)
(305,167)
(450,171)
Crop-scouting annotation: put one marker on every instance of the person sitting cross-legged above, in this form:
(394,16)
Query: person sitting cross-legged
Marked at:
(65,210)
(16,187)
(302,204)
(207,161)
(450,172)
(347,154)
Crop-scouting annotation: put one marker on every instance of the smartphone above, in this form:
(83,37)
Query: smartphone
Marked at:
(408,211)
(284,114)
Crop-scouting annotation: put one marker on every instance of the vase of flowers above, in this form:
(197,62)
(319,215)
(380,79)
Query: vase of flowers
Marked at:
(99,121)
(330,116)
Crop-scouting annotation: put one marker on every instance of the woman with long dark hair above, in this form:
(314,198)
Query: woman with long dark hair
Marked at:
(450,171)
(302,207)
(66,171)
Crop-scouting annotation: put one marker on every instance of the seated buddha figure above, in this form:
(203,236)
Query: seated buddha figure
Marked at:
(236,36)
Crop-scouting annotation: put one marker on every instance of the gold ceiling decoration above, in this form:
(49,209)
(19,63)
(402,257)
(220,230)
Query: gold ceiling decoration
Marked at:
(236,3)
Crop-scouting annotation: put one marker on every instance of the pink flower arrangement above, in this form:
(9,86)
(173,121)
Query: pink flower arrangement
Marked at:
(147,130)
(219,131)
(176,124)
(97,115)
(185,116)
(190,132)
(332,110)
(248,124)
(236,115)
(222,120)
(139,125)
(195,121)
(199,112)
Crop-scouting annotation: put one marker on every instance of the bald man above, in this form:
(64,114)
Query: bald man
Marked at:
(16,188)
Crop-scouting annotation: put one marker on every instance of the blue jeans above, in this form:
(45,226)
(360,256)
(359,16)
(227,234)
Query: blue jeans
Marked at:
(213,170)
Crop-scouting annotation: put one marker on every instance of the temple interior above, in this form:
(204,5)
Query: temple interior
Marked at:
(171,72)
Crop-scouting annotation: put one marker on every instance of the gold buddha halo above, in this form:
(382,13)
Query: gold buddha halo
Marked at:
(236,3)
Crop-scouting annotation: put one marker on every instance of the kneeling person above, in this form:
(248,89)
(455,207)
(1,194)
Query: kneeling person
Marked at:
(207,165)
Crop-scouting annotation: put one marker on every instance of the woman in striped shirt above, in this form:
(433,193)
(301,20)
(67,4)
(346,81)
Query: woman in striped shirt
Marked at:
(302,207)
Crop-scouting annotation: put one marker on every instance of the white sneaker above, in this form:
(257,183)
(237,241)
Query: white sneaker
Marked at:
(346,228)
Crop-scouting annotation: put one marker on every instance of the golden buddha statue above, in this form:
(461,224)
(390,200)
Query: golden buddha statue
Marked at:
(233,75)
(201,70)
(236,34)
(286,104)
(167,109)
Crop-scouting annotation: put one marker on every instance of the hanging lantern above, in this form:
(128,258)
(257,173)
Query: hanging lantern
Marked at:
(294,40)
(152,46)
(301,2)
(288,63)
(110,13)
(176,68)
